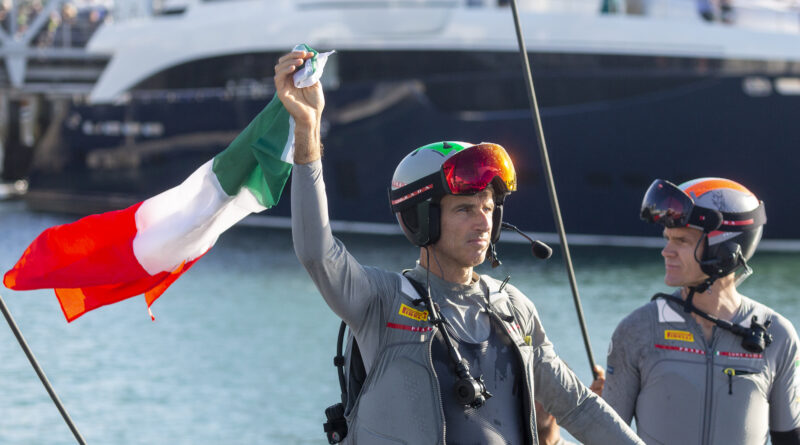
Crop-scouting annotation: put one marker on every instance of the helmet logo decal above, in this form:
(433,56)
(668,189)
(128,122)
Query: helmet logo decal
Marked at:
(719,200)
(412,194)
(443,148)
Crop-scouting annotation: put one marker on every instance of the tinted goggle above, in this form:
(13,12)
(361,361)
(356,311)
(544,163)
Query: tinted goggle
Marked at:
(666,204)
(473,169)
(465,173)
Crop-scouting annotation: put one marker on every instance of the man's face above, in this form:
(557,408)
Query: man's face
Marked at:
(681,267)
(466,229)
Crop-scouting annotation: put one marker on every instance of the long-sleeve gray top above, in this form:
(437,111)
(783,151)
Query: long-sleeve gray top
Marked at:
(354,292)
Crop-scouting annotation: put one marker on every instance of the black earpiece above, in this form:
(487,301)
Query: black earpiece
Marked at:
(727,258)
(497,222)
(422,223)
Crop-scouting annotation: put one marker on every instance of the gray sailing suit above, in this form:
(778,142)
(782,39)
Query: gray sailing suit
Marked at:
(400,402)
(684,390)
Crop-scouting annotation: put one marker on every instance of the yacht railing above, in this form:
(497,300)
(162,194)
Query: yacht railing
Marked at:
(42,45)
(765,15)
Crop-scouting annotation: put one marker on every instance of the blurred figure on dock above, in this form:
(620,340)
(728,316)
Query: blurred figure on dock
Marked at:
(716,10)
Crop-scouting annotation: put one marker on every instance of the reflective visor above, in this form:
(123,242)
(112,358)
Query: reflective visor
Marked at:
(664,203)
(473,169)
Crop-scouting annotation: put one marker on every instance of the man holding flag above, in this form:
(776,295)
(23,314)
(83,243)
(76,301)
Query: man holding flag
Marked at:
(106,258)
(449,356)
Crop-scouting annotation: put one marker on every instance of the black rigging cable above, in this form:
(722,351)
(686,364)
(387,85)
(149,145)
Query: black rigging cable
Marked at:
(551,187)
(17,333)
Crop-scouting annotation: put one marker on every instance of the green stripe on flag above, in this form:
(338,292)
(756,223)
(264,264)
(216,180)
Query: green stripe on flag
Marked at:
(306,48)
(253,159)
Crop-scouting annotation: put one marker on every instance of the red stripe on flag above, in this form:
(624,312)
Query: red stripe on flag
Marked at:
(90,263)
(153,293)
(76,302)
(94,251)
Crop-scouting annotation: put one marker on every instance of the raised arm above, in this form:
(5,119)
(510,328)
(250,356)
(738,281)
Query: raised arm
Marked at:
(348,288)
(305,105)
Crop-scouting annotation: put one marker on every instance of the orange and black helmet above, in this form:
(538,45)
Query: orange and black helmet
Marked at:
(729,215)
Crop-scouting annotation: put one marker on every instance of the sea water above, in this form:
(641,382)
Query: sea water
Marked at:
(241,348)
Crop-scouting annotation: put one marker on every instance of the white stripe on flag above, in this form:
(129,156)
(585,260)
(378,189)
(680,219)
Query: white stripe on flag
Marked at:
(183,222)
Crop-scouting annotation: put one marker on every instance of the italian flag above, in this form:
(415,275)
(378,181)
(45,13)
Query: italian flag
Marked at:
(102,259)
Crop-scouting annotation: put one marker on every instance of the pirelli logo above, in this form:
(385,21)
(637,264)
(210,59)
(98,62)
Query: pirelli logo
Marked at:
(412,313)
(679,336)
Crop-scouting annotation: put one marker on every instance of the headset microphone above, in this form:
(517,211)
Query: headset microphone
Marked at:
(539,249)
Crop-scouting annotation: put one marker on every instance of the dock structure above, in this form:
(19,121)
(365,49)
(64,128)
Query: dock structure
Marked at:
(45,65)
(44,48)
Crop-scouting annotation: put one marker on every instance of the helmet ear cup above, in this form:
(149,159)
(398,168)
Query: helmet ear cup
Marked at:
(409,222)
(434,223)
(421,223)
(497,222)
(722,259)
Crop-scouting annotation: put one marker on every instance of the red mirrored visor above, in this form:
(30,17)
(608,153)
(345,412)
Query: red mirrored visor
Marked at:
(473,169)
(666,204)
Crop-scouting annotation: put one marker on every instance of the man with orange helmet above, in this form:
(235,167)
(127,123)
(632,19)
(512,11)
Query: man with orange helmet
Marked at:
(706,365)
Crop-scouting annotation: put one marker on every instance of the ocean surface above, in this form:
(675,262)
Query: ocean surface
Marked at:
(241,348)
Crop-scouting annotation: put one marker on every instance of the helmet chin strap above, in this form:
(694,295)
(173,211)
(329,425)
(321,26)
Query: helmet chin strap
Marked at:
(706,284)
(492,256)
(688,306)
